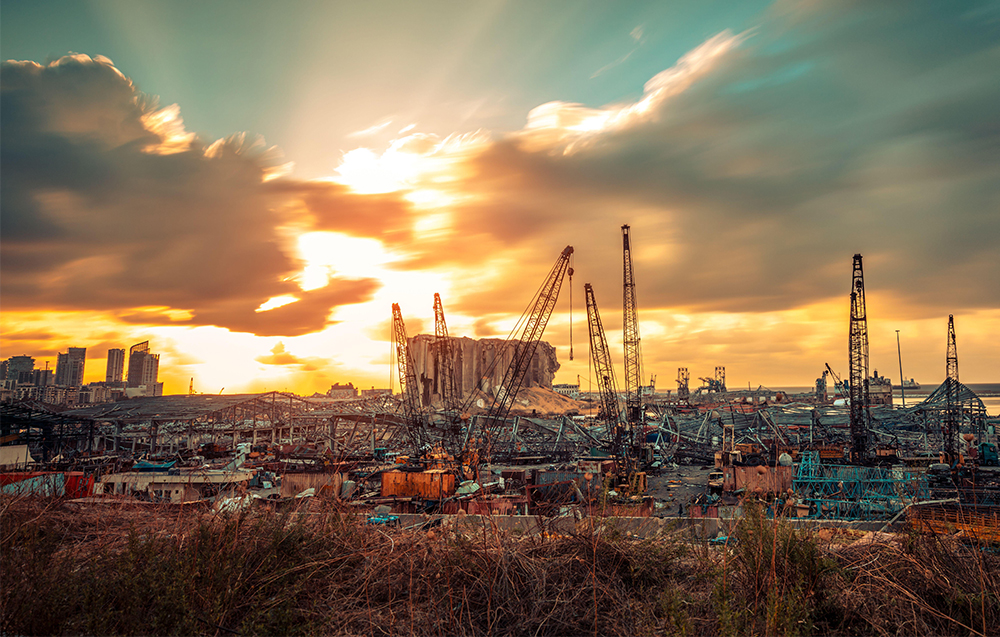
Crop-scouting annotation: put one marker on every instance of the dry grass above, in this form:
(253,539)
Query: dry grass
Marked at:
(317,570)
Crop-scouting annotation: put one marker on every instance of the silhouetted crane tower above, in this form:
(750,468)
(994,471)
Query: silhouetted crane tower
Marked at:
(952,414)
(683,384)
(525,343)
(445,373)
(618,429)
(858,362)
(630,329)
(408,383)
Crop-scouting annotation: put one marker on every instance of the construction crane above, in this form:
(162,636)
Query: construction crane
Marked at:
(408,388)
(837,384)
(630,334)
(952,412)
(525,343)
(683,386)
(619,431)
(858,362)
(445,373)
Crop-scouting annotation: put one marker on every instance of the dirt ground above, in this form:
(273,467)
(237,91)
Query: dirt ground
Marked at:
(679,486)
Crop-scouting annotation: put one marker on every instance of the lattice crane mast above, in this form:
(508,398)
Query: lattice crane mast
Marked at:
(952,414)
(446,370)
(630,329)
(683,384)
(408,388)
(619,431)
(858,360)
(525,343)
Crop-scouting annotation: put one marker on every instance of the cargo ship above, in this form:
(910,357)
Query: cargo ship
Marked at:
(908,383)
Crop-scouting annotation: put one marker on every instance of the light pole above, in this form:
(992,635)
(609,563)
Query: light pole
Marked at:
(899,354)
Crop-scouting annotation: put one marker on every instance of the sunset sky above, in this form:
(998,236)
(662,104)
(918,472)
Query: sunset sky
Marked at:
(251,185)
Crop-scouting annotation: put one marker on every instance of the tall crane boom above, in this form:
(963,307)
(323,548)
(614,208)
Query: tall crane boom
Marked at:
(525,344)
(630,328)
(952,412)
(408,382)
(858,360)
(618,430)
(445,365)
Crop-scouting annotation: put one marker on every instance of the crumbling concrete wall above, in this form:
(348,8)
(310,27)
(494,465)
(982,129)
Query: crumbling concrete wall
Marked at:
(472,359)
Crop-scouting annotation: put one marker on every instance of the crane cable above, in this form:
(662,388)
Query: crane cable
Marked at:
(570,273)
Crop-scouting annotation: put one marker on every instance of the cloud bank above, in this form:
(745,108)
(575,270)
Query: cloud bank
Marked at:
(109,204)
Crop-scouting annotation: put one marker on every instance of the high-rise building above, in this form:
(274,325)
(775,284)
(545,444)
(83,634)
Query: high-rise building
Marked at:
(69,367)
(116,366)
(18,364)
(36,378)
(143,367)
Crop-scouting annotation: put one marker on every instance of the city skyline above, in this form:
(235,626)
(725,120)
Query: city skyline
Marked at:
(257,216)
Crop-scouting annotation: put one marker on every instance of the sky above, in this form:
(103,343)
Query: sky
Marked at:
(250,186)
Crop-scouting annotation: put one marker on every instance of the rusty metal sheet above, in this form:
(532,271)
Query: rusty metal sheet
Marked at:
(430,485)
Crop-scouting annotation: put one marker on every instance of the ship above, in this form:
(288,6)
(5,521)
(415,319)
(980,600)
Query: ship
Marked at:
(908,383)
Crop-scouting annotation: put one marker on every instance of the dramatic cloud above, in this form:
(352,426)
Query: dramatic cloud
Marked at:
(281,356)
(109,204)
(754,168)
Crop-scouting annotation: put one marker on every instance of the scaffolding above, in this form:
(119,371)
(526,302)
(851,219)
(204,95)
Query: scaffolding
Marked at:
(851,492)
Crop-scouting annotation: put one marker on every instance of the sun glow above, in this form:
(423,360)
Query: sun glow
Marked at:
(335,254)
(276,302)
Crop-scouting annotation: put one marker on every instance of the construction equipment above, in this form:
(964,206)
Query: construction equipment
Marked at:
(841,389)
(952,415)
(408,388)
(858,360)
(525,343)
(620,430)
(716,384)
(630,336)
(683,387)
(445,375)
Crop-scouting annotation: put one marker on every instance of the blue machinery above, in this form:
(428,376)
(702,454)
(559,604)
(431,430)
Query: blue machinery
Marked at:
(845,492)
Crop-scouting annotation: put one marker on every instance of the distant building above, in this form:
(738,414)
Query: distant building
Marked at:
(143,370)
(116,366)
(96,393)
(342,391)
(372,393)
(69,367)
(879,390)
(573,391)
(17,364)
(36,378)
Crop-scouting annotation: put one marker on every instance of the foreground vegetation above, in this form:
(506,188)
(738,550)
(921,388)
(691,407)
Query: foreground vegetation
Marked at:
(319,571)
